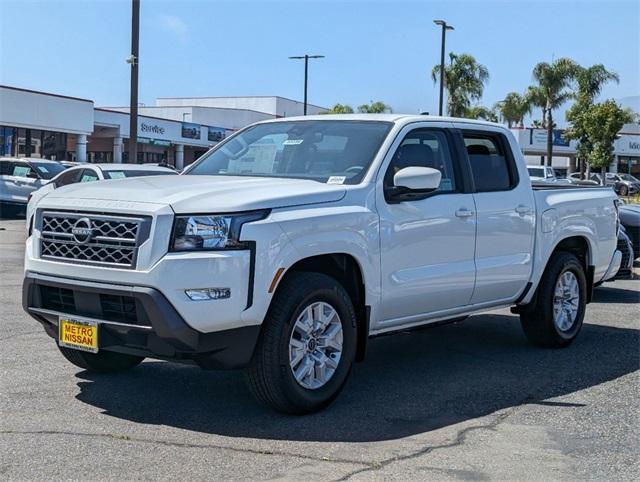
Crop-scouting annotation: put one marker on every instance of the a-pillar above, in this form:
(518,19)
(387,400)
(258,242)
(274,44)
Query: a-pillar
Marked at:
(81,148)
(117,150)
(179,157)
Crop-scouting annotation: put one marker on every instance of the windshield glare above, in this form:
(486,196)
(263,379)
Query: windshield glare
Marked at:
(47,170)
(629,177)
(336,152)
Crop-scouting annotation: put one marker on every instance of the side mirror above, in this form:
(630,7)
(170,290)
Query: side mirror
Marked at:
(412,183)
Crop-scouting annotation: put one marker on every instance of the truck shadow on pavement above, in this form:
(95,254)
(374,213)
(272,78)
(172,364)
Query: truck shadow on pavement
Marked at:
(410,383)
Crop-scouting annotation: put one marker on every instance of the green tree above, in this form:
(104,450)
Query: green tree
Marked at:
(374,108)
(589,85)
(464,79)
(513,108)
(339,109)
(602,122)
(481,112)
(554,80)
(537,98)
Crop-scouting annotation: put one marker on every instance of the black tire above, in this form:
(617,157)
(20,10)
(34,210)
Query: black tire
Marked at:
(538,323)
(269,375)
(101,362)
(624,190)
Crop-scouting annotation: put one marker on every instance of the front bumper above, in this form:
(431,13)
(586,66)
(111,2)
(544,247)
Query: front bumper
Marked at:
(136,320)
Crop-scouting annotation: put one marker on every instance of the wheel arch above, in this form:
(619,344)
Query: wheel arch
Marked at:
(346,270)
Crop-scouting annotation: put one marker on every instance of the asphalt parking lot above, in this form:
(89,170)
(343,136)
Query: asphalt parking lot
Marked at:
(470,400)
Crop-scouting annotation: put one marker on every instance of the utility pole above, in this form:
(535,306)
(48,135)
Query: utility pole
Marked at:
(133,60)
(445,27)
(306,58)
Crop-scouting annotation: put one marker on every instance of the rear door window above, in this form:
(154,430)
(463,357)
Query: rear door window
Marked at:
(88,175)
(68,177)
(22,169)
(492,165)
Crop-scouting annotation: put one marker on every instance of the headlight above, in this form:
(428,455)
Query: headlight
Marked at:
(211,232)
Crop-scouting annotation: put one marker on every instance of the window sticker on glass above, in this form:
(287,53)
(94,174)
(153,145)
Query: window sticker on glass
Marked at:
(42,169)
(116,174)
(336,180)
(21,171)
(88,178)
(292,142)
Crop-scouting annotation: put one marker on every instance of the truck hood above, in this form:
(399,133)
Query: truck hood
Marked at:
(205,194)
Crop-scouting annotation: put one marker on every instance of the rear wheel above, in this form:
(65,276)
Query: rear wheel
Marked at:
(556,318)
(101,362)
(307,346)
(624,190)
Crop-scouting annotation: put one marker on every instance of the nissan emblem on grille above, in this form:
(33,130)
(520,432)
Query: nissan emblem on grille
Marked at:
(92,238)
(82,230)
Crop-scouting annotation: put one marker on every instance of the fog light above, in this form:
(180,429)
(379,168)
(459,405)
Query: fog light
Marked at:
(208,294)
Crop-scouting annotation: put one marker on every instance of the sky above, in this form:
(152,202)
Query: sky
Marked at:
(375,50)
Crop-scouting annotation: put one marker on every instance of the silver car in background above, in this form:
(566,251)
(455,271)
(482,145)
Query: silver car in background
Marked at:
(19,177)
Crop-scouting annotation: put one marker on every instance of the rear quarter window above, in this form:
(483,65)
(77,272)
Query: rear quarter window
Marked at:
(492,164)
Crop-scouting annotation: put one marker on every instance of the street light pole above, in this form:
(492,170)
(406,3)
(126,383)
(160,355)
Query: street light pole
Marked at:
(306,58)
(133,60)
(445,27)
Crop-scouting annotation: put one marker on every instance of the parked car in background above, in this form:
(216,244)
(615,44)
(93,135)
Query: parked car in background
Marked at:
(19,177)
(544,173)
(91,173)
(594,179)
(630,219)
(625,246)
(290,243)
(625,184)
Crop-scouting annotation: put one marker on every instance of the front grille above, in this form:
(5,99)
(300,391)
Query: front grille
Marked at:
(59,299)
(116,308)
(92,238)
(119,308)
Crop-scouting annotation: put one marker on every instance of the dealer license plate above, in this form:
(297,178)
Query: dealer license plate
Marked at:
(78,334)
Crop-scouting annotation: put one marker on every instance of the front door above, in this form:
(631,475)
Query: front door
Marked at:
(427,245)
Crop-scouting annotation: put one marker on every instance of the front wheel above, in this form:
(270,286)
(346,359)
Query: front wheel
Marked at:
(624,191)
(556,318)
(101,362)
(307,346)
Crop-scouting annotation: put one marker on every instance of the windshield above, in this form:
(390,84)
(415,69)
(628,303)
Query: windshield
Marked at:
(629,177)
(535,171)
(331,151)
(133,173)
(47,170)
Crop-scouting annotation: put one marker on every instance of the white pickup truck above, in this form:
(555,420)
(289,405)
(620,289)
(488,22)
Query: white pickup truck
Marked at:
(289,244)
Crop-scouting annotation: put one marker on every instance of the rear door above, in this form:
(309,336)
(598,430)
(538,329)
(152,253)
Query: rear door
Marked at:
(505,217)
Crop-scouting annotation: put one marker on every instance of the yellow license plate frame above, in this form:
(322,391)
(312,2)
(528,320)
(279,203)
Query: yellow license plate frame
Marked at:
(78,334)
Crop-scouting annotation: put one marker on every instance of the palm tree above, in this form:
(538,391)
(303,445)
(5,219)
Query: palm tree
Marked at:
(513,108)
(554,80)
(464,79)
(481,112)
(339,109)
(537,98)
(374,108)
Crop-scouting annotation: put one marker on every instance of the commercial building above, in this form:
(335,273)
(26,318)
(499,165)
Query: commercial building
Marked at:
(178,130)
(533,143)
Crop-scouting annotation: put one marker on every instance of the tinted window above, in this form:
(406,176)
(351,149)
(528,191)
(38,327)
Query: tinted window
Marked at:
(492,168)
(68,177)
(6,168)
(88,175)
(131,173)
(339,152)
(424,148)
(22,169)
(536,171)
(47,170)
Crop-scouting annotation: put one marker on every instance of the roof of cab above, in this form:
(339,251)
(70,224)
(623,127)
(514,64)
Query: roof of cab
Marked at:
(395,118)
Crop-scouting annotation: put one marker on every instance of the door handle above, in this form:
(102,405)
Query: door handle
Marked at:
(522,209)
(464,213)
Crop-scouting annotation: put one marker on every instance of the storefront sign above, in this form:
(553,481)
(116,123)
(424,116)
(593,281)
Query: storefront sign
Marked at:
(216,134)
(539,137)
(151,128)
(190,131)
(154,142)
